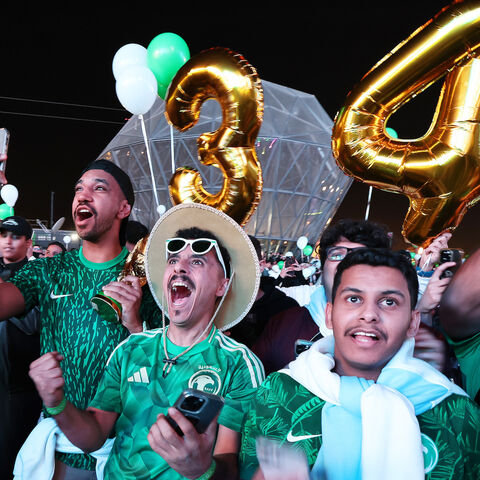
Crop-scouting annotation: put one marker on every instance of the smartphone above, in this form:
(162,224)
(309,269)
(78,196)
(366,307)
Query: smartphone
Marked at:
(199,407)
(451,255)
(4,140)
(302,345)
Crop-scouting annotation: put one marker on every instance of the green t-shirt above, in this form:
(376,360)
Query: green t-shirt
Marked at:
(62,287)
(133,386)
(287,412)
(467,352)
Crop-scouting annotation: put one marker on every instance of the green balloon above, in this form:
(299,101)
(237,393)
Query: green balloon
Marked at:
(5,211)
(161,90)
(280,264)
(308,250)
(166,53)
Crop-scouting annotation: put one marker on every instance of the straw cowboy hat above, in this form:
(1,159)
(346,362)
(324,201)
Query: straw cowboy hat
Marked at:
(243,257)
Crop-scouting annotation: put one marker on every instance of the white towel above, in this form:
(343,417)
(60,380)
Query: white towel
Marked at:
(36,458)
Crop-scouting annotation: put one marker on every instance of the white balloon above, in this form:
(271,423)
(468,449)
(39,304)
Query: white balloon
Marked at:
(302,242)
(67,239)
(9,194)
(161,209)
(130,55)
(289,254)
(308,272)
(137,89)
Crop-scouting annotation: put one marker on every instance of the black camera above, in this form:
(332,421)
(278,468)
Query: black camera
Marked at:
(199,407)
(302,345)
(451,255)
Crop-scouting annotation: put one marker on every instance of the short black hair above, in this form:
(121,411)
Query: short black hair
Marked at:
(370,234)
(193,233)
(379,257)
(256,246)
(135,231)
(58,244)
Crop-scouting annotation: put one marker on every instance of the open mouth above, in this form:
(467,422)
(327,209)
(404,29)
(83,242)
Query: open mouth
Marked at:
(179,291)
(83,213)
(365,337)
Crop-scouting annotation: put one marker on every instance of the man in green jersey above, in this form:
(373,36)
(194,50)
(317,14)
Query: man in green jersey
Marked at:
(357,404)
(459,315)
(207,281)
(62,287)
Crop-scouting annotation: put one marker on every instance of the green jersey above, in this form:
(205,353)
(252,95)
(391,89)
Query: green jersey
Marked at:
(285,411)
(62,287)
(134,387)
(467,352)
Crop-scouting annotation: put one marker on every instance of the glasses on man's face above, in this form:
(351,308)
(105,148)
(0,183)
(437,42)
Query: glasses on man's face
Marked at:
(199,246)
(337,254)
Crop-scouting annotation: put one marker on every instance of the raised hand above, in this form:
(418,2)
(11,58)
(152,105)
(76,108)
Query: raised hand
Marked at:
(48,378)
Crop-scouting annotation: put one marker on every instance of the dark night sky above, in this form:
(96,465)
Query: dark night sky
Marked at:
(64,57)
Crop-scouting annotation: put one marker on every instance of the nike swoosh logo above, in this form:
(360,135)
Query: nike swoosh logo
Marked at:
(54,297)
(295,438)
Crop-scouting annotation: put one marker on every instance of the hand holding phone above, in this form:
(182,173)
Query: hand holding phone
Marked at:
(197,406)
(451,255)
(190,455)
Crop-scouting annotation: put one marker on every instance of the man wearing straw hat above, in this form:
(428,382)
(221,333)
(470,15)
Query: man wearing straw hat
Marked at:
(204,289)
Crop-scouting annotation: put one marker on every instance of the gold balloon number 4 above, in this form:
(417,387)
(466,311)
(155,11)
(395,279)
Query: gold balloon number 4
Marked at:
(227,77)
(439,172)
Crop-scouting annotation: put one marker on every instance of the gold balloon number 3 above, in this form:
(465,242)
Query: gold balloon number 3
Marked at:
(227,77)
(440,172)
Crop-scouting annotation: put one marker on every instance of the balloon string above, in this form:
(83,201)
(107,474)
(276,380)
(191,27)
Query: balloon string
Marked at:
(172,149)
(144,131)
(368,202)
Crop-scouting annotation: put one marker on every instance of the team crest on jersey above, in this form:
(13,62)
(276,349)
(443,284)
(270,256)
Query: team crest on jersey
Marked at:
(206,380)
(430,453)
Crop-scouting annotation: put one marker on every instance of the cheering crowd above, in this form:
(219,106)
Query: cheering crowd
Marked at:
(361,364)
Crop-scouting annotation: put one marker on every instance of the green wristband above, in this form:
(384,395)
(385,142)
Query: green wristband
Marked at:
(58,409)
(209,473)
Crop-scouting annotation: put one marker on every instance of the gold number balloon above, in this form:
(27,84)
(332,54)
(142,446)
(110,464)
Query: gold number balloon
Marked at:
(226,76)
(439,172)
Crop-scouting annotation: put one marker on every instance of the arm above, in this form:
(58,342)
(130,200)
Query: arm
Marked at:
(226,453)
(435,289)
(12,302)
(460,304)
(88,429)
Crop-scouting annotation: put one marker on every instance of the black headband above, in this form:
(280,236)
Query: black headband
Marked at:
(117,173)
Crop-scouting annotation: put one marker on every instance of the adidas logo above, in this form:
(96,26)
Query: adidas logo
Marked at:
(139,377)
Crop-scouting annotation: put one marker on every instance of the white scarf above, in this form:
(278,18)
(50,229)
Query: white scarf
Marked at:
(36,458)
(384,436)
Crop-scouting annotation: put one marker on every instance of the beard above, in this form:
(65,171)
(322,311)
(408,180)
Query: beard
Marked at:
(96,232)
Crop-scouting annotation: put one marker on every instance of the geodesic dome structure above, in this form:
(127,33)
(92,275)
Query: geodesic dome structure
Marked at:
(302,184)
